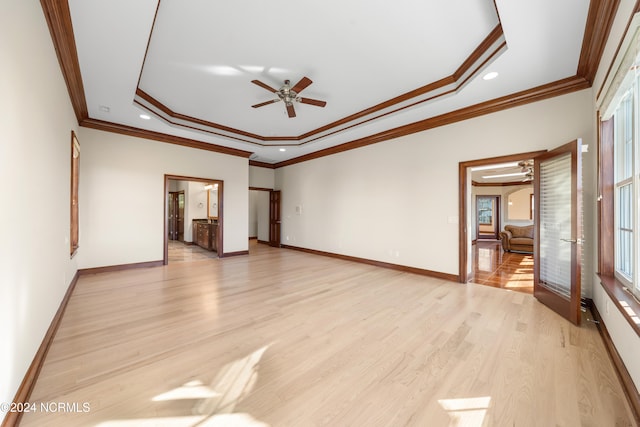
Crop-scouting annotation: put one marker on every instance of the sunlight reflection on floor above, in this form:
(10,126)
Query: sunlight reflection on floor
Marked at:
(467,412)
(214,403)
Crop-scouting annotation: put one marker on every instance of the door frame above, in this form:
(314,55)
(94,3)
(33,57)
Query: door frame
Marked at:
(220,234)
(463,208)
(269,190)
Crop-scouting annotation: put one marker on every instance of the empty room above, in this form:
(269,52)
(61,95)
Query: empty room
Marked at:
(303,213)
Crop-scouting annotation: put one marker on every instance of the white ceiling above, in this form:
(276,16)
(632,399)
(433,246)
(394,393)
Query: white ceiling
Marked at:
(195,63)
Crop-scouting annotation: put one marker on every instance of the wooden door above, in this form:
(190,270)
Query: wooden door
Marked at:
(558,230)
(180,216)
(173,225)
(274,218)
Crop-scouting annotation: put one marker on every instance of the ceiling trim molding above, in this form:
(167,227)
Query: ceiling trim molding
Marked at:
(486,51)
(162,137)
(601,14)
(599,22)
(58,18)
(636,9)
(499,184)
(262,164)
(550,90)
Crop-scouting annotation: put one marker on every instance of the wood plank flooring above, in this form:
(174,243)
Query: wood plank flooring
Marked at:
(508,270)
(286,338)
(179,252)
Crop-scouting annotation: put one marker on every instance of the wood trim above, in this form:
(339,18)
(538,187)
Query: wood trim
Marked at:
(403,268)
(253,238)
(162,137)
(260,189)
(606,193)
(498,184)
(463,209)
(121,267)
(74,211)
(261,164)
(264,242)
(618,295)
(599,22)
(631,392)
(550,90)
(178,116)
(231,254)
(58,19)
(28,382)
(635,10)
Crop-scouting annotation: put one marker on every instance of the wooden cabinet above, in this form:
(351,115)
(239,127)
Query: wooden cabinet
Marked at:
(205,234)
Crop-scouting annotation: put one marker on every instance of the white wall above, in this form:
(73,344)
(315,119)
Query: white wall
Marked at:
(623,336)
(36,119)
(261,177)
(122,195)
(397,201)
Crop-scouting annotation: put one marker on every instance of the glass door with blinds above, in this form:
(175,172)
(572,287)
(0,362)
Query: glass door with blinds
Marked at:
(558,220)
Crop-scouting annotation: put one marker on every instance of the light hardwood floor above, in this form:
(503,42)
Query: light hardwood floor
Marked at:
(285,338)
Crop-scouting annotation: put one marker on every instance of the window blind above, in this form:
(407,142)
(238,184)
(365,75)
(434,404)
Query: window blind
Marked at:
(555,224)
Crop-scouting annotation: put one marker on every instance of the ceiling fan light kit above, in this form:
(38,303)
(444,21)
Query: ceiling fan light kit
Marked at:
(289,95)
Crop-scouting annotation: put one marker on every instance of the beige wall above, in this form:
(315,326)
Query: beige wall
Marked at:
(36,120)
(122,196)
(397,201)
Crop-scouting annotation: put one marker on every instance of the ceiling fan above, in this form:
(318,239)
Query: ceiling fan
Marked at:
(289,94)
(527,166)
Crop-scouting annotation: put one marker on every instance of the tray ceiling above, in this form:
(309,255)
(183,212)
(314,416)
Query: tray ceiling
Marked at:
(378,65)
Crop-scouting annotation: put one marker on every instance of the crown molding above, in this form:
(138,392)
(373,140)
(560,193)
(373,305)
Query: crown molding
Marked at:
(162,137)
(599,21)
(550,90)
(58,19)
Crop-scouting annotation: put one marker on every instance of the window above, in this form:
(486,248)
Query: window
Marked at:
(626,181)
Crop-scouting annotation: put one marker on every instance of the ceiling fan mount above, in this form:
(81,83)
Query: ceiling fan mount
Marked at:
(289,95)
(527,166)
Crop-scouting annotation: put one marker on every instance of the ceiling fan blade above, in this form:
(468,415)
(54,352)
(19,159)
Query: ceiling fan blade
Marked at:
(262,104)
(315,102)
(301,85)
(263,85)
(291,111)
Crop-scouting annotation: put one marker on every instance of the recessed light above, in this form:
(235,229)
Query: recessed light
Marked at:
(283,149)
(145,116)
(490,76)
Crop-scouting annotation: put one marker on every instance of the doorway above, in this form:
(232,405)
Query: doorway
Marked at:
(468,222)
(487,217)
(202,216)
(265,215)
(176,215)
